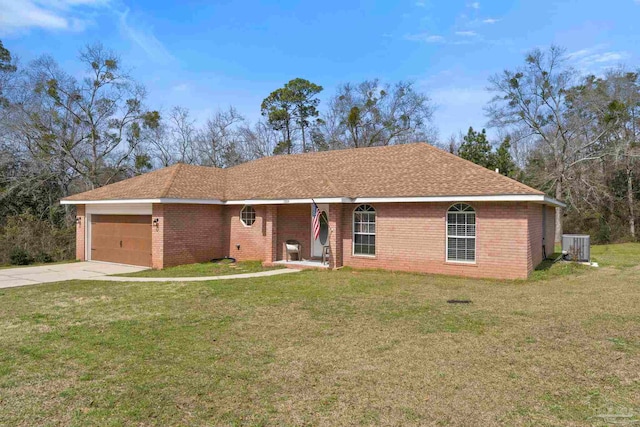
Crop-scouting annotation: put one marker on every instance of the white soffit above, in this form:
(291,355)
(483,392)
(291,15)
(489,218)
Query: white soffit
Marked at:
(535,198)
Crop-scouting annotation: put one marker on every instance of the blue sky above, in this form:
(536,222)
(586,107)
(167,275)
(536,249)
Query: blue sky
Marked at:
(206,55)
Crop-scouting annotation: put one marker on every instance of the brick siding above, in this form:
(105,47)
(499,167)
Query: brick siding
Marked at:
(412,237)
(409,236)
(186,234)
(550,232)
(294,223)
(252,239)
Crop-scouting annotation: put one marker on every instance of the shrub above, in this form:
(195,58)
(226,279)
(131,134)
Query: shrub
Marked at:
(43,257)
(19,256)
(37,238)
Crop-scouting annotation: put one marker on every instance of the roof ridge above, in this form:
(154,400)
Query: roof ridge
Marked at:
(329,152)
(172,177)
(520,184)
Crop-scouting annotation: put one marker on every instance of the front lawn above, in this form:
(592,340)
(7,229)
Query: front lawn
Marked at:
(221,268)
(325,348)
(621,255)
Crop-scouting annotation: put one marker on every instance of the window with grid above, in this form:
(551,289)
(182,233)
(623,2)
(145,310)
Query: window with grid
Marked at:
(461,233)
(248,215)
(364,230)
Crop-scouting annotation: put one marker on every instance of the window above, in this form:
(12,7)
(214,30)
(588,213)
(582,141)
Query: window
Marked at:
(248,215)
(461,233)
(364,230)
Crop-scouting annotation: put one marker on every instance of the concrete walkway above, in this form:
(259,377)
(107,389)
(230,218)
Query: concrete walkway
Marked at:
(199,279)
(24,276)
(91,270)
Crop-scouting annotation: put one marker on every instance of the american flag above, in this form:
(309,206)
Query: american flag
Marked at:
(316,220)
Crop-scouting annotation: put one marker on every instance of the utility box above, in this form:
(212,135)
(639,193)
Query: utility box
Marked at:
(576,247)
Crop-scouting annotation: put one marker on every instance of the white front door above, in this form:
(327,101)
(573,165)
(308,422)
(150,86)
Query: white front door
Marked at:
(323,238)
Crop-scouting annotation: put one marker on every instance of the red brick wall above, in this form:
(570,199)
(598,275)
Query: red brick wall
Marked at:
(294,223)
(252,239)
(271,233)
(81,233)
(190,233)
(335,235)
(550,232)
(157,236)
(535,235)
(411,237)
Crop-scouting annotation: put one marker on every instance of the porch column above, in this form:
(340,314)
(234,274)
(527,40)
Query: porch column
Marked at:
(335,235)
(271,234)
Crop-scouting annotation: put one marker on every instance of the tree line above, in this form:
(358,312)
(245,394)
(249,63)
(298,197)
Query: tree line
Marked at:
(573,136)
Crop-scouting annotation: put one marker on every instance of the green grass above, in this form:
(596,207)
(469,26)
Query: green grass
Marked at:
(620,255)
(341,347)
(552,268)
(221,268)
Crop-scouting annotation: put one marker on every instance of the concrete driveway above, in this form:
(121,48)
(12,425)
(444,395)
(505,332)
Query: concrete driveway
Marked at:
(23,276)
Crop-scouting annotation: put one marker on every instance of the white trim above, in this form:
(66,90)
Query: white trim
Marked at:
(535,198)
(475,237)
(254,216)
(353,233)
(120,209)
(137,209)
(324,207)
(138,201)
(288,201)
(87,240)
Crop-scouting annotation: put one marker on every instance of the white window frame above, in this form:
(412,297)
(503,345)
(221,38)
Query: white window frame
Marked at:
(474,237)
(243,212)
(353,231)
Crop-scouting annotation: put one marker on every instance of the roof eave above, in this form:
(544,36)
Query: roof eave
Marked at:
(534,198)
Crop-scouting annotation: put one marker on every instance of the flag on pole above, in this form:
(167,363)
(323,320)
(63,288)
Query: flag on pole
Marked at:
(316,220)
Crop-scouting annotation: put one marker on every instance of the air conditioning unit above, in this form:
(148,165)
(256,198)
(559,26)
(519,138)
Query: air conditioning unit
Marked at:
(576,247)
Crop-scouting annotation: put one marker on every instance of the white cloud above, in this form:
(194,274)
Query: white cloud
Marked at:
(144,39)
(466,33)
(475,5)
(420,4)
(490,21)
(424,37)
(609,57)
(66,15)
(180,87)
(595,58)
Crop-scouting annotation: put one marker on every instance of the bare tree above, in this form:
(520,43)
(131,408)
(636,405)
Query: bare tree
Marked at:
(90,127)
(160,146)
(259,140)
(371,113)
(218,142)
(183,133)
(614,103)
(531,101)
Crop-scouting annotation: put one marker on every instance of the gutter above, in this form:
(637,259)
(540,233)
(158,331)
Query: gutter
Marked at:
(533,198)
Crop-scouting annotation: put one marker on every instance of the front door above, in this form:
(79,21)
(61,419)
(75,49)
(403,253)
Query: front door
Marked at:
(323,238)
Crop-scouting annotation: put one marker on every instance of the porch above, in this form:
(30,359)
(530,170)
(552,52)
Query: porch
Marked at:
(294,224)
(304,263)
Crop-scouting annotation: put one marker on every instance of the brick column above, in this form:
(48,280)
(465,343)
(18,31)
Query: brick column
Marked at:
(157,237)
(271,234)
(81,237)
(335,236)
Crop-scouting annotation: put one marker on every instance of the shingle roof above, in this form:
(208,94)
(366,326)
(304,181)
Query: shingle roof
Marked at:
(410,170)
